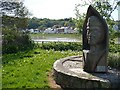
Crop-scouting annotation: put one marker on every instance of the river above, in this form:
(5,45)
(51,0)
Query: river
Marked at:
(56,40)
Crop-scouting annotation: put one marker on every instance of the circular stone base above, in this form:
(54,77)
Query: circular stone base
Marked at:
(68,73)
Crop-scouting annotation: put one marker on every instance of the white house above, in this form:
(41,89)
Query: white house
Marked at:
(70,30)
(61,30)
(36,31)
(50,30)
(33,30)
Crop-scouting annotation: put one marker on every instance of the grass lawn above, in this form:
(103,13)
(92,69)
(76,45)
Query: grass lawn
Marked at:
(30,69)
(45,36)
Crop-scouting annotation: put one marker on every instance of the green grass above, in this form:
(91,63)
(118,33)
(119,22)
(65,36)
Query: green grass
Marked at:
(30,69)
(45,36)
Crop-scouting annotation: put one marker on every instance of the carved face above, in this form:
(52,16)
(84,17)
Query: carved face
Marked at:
(95,31)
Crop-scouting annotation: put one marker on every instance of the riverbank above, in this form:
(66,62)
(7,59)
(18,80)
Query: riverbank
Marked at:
(50,36)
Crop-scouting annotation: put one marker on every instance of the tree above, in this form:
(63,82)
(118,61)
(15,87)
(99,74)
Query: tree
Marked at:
(14,13)
(105,9)
(14,19)
(33,23)
(44,23)
(14,8)
(79,20)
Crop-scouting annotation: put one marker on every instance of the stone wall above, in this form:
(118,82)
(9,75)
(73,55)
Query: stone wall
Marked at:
(69,74)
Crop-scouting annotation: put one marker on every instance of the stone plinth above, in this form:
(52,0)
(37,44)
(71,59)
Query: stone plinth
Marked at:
(68,73)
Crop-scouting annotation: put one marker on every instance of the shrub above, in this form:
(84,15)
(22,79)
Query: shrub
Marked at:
(113,57)
(14,41)
(114,60)
(60,46)
(114,48)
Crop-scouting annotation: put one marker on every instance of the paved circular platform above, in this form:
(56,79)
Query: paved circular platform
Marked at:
(69,73)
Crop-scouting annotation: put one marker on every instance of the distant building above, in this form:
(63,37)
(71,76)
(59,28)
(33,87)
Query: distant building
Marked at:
(34,30)
(49,30)
(61,30)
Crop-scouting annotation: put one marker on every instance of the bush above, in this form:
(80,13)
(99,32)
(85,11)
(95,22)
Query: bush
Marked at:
(113,57)
(62,46)
(114,48)
(14,41)
(114,60)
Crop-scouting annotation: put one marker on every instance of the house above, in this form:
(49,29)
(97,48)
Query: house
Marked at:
(61,30)
(34,30)
(70,30)
(50,30)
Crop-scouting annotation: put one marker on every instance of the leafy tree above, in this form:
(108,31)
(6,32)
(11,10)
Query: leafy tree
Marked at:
(33,23)
(20,23)
(14,19)
(44,23)
(14,8)
(79,20)
(105,9)
(15,40)
(14,13)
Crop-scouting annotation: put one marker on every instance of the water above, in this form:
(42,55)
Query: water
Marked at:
(56,40)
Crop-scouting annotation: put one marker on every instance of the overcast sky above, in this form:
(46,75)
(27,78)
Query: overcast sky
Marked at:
(55,9)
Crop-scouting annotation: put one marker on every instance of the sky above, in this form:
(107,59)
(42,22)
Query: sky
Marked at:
(55,9)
